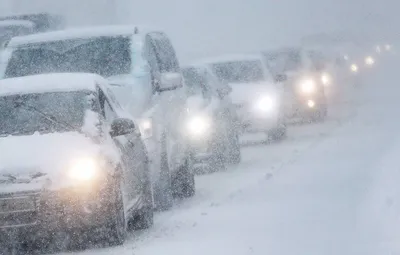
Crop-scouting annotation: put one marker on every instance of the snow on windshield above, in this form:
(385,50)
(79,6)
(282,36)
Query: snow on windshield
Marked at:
(106,56)
(239,71)
(43,113)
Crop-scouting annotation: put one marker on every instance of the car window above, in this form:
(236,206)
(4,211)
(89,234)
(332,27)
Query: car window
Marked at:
(166,54)
(106,108)
(106,56)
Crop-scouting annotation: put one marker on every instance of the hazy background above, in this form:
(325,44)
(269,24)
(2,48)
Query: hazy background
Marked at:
(206,27)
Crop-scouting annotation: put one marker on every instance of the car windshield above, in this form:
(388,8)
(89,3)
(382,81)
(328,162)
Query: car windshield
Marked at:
(281,62)
(239,71)
(7,32)
(194,80)
(106,56)
(44,113)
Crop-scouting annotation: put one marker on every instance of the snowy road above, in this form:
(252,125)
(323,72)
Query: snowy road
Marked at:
(330,188)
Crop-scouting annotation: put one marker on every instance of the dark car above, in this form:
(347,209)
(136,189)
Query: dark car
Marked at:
(72,161)
(212,123)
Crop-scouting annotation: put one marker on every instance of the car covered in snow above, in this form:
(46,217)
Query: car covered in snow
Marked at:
(255,94)
(306,81)
(17,25)
(211,125)
(72,160)
(143,70)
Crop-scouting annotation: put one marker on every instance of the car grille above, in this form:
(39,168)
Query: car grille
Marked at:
(18,210)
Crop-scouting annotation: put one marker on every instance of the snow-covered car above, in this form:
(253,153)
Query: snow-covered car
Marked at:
(306,81)
(255,93)
(144,74)
(211,126)
(17,25)
(71,160)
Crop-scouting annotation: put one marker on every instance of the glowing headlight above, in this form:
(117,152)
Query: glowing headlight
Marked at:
(265,104)
(325,79)
(83,170)
(354,68)
(369,60)
(308,86)
(199,125)
(146,128)
(310,103)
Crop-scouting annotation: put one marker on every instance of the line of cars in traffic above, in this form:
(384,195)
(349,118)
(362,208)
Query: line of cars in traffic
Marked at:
(101,125)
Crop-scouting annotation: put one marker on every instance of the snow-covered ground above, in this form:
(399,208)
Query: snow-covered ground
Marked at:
(330,188)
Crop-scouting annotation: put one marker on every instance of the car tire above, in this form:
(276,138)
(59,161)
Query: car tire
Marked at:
(145,217)
(320,114)
(217,160)
(279,132)
(184,182)
(234,154)
(163,195)
(116,230)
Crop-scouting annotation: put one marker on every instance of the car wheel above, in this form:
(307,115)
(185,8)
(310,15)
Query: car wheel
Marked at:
(184,183)
(279,132)
(163,197)
(117,228)
(234,154)
(217,160)
(145,217)
(320,114)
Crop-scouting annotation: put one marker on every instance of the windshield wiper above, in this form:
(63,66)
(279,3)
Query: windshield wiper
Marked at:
(47,116)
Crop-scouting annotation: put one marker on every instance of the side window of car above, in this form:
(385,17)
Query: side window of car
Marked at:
(106,108)
(152,58)
(166,55)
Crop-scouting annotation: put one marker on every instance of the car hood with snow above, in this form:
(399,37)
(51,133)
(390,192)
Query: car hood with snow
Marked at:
(45,159)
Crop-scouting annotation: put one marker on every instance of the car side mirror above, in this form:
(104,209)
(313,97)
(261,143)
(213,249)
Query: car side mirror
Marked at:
(122,126)
(170,81)
(280,78)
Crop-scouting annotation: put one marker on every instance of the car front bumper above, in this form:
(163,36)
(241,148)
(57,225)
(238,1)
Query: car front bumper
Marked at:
(39,213)
(254,122)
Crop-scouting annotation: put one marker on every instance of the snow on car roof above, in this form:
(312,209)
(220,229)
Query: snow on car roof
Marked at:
(53,82)
(229,58)
(24,23)
(81,33)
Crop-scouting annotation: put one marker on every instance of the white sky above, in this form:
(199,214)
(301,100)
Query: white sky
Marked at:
(206,27)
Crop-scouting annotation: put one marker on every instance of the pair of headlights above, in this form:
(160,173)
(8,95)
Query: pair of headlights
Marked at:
(310,85)
(369,61)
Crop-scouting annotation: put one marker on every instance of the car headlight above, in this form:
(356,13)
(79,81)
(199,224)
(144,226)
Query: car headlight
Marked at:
(85,169)
(369,60)
(326,79)
(146,127)
(199,125)
(265,103)
(308,86)
(354,68)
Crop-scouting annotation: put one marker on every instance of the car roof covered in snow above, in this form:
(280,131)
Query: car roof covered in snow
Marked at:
(24,23)
(79,33)
(229,58)
(54,82)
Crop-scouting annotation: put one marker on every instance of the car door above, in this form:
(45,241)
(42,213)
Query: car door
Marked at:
(172,103)
(133,164)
